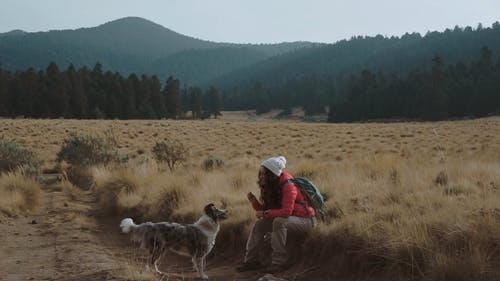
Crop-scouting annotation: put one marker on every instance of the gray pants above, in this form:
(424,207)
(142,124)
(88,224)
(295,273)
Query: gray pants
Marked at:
(279,227)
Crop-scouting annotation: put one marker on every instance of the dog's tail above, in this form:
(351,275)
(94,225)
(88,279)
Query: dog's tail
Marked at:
(127,224)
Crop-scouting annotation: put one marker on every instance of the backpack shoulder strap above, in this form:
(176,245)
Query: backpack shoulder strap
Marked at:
(304,203)
(286,182)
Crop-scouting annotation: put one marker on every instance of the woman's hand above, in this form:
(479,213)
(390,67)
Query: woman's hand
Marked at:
(259,214)
(251,197)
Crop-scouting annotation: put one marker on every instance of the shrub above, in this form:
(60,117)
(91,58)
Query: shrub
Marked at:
(13,156)
(80,176)
(212,162)
(89,150)
(441,179)
(18,193)
(112,195)
(72,191)
(287,112)
(171,152)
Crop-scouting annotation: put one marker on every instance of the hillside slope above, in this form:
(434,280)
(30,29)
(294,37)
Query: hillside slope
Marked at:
(399,55)
(130,45)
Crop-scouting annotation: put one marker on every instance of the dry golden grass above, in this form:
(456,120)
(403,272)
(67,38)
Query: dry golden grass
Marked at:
(408,201)
(72,191)
(18,193)
(132,274)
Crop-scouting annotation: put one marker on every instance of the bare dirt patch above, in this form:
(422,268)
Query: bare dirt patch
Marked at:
(56,243)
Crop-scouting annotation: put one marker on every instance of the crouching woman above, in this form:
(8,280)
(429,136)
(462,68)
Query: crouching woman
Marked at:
(283,210)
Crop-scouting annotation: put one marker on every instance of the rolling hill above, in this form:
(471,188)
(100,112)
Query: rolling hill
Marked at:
(392,55)
(131,45)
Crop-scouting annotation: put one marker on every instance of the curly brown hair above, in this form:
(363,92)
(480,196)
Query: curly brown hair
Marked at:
(270,190)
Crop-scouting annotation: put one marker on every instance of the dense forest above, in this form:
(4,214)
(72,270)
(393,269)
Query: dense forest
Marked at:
(85,93)
(387,54)
(378,78)
(452,91)
(450,74)
(443,91)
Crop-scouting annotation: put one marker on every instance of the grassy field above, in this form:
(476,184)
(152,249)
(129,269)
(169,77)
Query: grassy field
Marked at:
(408,201)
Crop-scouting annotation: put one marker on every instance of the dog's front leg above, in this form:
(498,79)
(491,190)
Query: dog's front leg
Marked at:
(203,264)
(198,263)
(156,267)
(195,267)
(193,260)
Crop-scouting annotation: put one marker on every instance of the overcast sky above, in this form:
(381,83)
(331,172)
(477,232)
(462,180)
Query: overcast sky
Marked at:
(256,21)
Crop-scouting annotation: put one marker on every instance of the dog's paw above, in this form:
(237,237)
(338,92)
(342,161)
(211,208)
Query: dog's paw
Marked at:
(204,276)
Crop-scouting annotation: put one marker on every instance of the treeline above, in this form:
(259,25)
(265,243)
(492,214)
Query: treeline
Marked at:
(451,91)
(440,92)
(86,93)
(378,53)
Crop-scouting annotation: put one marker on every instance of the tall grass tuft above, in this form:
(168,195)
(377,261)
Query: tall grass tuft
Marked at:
(18,193)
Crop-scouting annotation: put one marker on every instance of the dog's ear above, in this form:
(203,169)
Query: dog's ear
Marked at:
(209,210)
(210,205)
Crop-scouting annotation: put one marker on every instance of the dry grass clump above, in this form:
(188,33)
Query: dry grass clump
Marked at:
(18,193)
(130,272)
(213,162)
(73,192)
(79,176)
(118,191)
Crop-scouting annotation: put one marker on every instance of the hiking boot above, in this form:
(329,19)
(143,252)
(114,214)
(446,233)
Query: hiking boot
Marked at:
(275,268)
(249,266)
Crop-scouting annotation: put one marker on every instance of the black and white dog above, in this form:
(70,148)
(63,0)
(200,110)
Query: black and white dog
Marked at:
(194,240)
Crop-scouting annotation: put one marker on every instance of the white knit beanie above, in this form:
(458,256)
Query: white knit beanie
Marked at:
(275,164)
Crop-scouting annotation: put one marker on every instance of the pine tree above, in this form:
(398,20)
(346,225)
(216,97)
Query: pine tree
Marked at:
(157,98)
(195,104)
(486,88)
(96,96)
(143,96)
(435,100)
(214,100)
(262,99)
(185,101)
(27,84)
(172,98)
(4,93)
(57,91)
(77,95)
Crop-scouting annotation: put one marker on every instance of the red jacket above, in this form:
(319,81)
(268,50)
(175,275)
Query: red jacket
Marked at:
(290,198)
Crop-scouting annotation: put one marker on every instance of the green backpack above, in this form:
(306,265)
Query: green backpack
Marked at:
(311,193)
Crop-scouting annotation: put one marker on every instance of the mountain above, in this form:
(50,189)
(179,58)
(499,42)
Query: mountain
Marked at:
(13,32)
(136,45)
(129,45)
(392,55)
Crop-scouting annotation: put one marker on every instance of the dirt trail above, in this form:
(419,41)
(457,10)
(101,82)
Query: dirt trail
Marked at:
(56,243)
(66,240)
